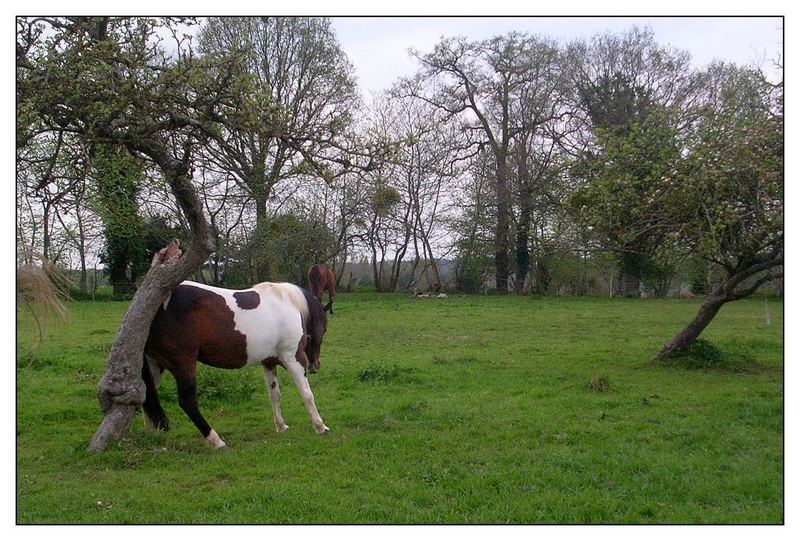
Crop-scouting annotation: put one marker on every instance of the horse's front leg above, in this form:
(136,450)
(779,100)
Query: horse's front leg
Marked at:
(274,390)
(298,374)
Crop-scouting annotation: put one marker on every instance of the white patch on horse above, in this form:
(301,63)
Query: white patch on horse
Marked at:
(214,439)
(274,327)
(286,290)
(274,391)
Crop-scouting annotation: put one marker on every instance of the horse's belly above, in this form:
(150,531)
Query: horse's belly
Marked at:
(219,356)
(258,352)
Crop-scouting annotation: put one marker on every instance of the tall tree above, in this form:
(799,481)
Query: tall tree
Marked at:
(480,84)
(621,196)
(631,93)
(293,119)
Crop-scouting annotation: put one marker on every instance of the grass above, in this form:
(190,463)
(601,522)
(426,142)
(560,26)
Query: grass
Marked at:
(460,410)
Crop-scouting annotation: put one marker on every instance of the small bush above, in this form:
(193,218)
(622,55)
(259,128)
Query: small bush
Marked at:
(600,384)
(377,372)
(700,354)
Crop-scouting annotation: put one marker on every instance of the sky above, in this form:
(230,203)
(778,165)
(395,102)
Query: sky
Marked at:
(378,46)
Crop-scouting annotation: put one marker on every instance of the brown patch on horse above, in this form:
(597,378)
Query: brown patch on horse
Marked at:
(271,362)
(247,300)
(300,354)
(196,322)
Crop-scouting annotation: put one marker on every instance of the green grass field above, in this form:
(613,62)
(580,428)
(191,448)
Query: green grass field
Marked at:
(460,410)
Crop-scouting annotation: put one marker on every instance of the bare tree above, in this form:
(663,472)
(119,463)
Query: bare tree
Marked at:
(481,83)
(291,121)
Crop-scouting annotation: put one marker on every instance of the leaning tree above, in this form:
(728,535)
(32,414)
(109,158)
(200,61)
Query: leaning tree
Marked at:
(131,82)
(725,201)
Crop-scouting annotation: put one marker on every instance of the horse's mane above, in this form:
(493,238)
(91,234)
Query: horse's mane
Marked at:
(288,292)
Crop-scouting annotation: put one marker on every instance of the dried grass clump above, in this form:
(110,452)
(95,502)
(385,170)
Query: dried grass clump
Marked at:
(41,287)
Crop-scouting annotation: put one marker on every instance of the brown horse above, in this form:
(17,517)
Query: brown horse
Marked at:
(321,278)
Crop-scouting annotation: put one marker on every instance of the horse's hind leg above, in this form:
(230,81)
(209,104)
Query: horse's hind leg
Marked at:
(331,296)
(156,370)
(187,399)
(154,413)
(274,390)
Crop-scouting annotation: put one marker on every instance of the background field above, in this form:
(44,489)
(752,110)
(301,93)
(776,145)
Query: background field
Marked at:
(459,410)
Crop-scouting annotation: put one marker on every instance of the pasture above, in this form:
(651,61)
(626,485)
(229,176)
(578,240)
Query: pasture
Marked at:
(473,409)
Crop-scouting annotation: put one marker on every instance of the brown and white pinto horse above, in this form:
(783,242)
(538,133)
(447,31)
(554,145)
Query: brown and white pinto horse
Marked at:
(321,278)
(269,324)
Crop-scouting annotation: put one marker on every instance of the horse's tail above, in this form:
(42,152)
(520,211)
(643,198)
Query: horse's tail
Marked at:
(152,407)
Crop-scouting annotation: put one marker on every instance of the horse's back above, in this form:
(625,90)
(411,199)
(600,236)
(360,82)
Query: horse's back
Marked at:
(222,327)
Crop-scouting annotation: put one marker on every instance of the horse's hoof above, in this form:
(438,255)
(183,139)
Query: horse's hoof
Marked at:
(282,429)
(215,441)
(325,431)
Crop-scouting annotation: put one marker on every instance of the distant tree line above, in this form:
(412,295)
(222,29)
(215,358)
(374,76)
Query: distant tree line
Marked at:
(514,156)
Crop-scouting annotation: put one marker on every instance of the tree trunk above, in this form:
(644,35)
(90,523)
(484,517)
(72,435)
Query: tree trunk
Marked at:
(631,286)
(377,274)
(630,275)
(262,266)
(692,330)
(522,248)
(340,271)
(502,198)
(121,390)
(727,292)
(523,257)
(501,262)
(82,287)
(46,232)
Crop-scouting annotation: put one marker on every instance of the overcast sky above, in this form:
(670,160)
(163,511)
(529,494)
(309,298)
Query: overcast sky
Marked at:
(378,46)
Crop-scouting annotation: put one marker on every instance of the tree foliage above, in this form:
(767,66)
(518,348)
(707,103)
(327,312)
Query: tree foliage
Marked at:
(726,198)
(117,182)
(632,93)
